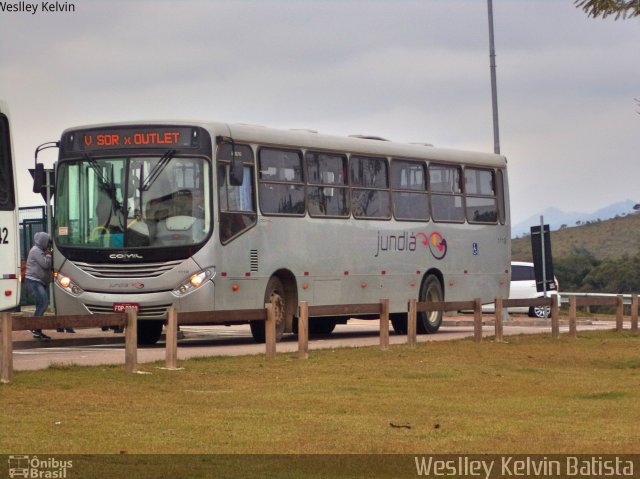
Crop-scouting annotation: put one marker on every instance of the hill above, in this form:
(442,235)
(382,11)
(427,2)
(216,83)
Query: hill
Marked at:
(604,239)
(557,218)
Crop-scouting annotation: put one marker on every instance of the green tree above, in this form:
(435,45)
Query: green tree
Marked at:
(604,8)
(616,276)
(572,270)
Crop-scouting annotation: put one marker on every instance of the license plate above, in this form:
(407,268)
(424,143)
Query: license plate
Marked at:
(122,307)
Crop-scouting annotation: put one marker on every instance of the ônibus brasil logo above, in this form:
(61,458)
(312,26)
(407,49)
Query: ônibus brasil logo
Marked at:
(32,466)
(409,241)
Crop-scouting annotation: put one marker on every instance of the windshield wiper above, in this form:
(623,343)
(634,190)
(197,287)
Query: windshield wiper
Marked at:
(155,172)
(107,186)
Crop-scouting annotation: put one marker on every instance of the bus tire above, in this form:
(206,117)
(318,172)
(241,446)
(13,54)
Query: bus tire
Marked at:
(149,332)
(322,326)
(430,292)
(273,294)
(399,322)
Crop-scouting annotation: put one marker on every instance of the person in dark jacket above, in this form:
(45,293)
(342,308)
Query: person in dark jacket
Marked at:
(38,276)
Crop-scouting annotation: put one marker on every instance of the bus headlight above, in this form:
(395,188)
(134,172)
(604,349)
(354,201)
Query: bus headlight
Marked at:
(194,282)
(67,284)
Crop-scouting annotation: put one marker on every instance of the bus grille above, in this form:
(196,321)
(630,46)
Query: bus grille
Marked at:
(145,312)
(127,270)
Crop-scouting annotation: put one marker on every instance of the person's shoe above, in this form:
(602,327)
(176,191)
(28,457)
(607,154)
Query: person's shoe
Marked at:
(70,330)
(118,329)
(60,330)
(38,334)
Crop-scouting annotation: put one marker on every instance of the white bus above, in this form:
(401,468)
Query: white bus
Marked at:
(9,244)
(216,216)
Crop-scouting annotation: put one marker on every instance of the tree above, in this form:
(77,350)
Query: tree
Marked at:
(604,8)
(572,270)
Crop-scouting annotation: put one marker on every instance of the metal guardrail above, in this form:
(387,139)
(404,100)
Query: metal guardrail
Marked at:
(566,296)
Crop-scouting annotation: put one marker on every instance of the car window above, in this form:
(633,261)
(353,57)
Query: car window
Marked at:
(522,273)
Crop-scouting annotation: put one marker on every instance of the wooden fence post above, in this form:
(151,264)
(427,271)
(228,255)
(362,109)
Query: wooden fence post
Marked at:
(619,313)
(171,346)
(270,331)
(412,319)
(6,360)
(384,324)
(477,320)
(555,317)
(131,341)
(498,325)
(573,317)
(303,331)
(634,313)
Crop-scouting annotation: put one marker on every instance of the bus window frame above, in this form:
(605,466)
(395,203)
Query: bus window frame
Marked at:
(461,195)
(500,189)
(260,181)
(353,186)
(6,164)
(251,164)
(494,196)
(345,185)
(424,192)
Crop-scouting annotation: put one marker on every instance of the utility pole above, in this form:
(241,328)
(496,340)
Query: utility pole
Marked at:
(494,88)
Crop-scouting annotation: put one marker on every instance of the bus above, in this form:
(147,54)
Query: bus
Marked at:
(210,216)
(9,244)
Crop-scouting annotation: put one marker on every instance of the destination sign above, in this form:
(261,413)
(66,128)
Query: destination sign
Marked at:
(127,137)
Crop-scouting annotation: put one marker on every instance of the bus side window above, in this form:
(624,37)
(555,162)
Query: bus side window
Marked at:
(236,203)
(7,197)
(408,183)
(445,186)
(281,187)
(370,195)
(327,193)
(482,206)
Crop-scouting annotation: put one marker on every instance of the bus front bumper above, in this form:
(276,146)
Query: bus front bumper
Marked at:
(152,305)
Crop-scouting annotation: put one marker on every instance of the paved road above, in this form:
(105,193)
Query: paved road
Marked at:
(96,347)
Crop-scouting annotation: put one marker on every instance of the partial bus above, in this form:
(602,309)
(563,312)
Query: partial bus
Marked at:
(216,216)
(9,244)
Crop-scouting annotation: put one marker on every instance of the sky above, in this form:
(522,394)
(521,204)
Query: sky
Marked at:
(406,70)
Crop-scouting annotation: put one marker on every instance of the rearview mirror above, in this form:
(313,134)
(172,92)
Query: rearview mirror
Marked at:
(236,171)
(39,179)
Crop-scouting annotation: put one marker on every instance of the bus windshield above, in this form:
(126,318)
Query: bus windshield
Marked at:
(132,202)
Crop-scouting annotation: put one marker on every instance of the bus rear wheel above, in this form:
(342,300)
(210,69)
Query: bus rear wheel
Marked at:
(430,292)
(273,294)
(399,322)
(149,332)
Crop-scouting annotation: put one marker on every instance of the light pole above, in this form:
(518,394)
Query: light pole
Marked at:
(494,88)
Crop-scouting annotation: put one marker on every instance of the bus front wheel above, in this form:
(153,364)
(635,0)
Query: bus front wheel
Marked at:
(149,332)
(322,326)
(273,294)
(430,292)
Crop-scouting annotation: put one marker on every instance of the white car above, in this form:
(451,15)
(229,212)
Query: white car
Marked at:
(523,286)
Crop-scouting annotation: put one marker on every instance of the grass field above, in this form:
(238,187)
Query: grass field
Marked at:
(529,395)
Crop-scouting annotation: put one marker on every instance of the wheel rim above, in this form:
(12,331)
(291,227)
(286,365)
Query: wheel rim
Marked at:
(433,296)
(541,311)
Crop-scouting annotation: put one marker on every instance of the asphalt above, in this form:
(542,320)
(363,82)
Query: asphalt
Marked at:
(95,336)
